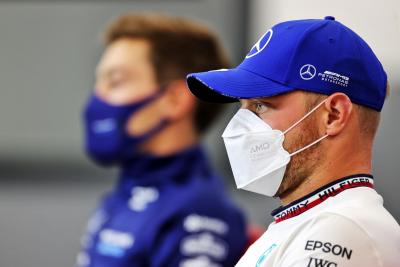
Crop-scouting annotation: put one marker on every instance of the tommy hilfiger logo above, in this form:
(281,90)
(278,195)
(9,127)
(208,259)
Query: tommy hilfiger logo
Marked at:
(315,198)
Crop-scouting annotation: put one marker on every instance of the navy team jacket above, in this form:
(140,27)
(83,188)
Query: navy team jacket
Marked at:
(165,212)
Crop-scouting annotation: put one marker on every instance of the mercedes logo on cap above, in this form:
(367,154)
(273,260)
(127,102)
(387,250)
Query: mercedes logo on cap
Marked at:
(261,44)
(307,72)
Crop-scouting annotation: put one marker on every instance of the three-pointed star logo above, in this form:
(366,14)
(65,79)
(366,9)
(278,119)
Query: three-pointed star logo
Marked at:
(261,44)
(307,72)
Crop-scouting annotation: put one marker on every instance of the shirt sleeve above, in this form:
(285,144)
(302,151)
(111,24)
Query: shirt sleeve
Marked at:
(331,240)
(192,240)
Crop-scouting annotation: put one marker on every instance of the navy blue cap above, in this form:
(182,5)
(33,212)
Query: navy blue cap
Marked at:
(316,55)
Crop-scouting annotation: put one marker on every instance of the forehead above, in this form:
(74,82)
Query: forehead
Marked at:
(125,53)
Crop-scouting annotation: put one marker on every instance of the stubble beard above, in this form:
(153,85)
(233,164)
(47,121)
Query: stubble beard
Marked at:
(301,165)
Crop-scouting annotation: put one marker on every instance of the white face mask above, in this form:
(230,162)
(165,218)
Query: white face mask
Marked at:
(256,154)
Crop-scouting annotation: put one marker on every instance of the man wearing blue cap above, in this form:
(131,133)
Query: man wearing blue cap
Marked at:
(311,94)
(168,207)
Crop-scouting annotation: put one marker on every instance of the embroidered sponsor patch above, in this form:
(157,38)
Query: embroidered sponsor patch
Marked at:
(142,197)
(114,243)
(204,244)
(197,223)
(201,261)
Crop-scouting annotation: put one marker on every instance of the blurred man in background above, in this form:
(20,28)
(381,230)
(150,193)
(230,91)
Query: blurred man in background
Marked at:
(311,94)
(168,207)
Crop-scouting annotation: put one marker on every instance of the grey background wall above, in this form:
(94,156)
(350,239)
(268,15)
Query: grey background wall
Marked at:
(48,52)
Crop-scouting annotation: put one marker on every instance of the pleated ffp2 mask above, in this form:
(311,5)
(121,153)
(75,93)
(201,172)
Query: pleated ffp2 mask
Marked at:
(256,153)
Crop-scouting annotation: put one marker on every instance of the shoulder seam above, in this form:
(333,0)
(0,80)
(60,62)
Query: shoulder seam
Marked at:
(376,252)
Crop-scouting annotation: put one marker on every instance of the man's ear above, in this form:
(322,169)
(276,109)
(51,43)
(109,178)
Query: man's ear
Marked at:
(178,100)
(338,108)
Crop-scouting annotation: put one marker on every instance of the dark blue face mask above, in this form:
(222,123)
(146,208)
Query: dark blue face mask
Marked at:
(107,141)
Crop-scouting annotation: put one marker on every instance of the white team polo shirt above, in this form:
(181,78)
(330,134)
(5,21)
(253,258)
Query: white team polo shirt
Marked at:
(339,225)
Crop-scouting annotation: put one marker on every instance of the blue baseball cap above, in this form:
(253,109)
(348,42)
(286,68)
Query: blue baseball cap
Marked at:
(316,55)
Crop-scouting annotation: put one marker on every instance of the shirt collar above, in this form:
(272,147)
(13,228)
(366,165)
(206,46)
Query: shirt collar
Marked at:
(318,196)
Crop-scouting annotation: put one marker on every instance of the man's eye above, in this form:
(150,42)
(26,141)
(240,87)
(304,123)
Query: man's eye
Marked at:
(260,108)
(115,83)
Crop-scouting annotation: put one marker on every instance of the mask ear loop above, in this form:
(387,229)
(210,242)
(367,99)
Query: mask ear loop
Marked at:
(305,116)
(294,125)
(309,145)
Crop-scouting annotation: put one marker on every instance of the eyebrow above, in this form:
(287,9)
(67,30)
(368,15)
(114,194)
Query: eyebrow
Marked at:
(262,99)
(110,71)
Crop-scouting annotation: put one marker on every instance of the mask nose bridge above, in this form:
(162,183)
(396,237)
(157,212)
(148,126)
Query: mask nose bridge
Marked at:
(244,121)
(252,120)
